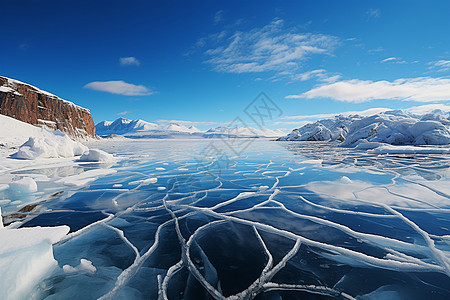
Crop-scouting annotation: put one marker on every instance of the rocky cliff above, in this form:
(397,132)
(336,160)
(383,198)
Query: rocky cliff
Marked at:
(32,105)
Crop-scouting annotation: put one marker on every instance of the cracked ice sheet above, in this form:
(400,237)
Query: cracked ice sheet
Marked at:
(308,231)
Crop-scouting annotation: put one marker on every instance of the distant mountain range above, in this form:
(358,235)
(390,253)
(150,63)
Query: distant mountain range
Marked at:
(143,129)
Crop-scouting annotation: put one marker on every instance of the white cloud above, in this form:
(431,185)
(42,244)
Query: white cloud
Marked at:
(373,14)
(389,59)
(123,113)
(119,87)
(440,65)
(320,75)
(305,119)
(129,61)
(379,49)
(428,108)
(422,89)
(393,60)
(218,17)
(270,48)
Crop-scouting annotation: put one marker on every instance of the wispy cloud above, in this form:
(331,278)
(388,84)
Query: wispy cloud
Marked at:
(422,89)
(119,87)
(270,48)
(129,61)
(376,50)
(372,14)
(440,65)
(393,60)
(389,59)
(123,113)
(218,17)
(320,75)
(186,123)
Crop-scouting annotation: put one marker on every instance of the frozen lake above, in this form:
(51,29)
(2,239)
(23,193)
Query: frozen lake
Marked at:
(204,219)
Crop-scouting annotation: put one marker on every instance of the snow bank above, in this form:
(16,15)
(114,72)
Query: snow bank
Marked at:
(95,155)
(26,255)
(395,127)
(37,142)
(52,145)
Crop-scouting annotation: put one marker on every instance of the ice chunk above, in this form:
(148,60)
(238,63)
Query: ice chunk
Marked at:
(161,188)
(52,144)
(144,181)
(27,255)
(4,187)
(1,219)
(85,177)
(160,169)
(96,155)
(84,266)
(24,185)
(345,179)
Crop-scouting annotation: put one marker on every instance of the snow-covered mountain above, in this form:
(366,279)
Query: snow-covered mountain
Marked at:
(142,129)
(396,127)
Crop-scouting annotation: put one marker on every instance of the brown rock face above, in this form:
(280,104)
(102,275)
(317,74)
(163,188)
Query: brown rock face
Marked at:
(31,105)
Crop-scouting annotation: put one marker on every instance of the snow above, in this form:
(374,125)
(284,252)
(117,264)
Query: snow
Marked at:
(96,155)
(395,127)
(37,142)
(84,266)
(27,256)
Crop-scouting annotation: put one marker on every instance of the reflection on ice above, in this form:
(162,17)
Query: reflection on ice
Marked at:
(284,220)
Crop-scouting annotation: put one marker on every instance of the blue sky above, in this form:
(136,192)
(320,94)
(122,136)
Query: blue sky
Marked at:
(203,62)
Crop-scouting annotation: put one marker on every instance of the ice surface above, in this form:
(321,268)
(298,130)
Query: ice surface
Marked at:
(282,220)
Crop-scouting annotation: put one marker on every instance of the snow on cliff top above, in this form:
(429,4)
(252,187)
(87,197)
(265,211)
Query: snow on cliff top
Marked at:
(12,83)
